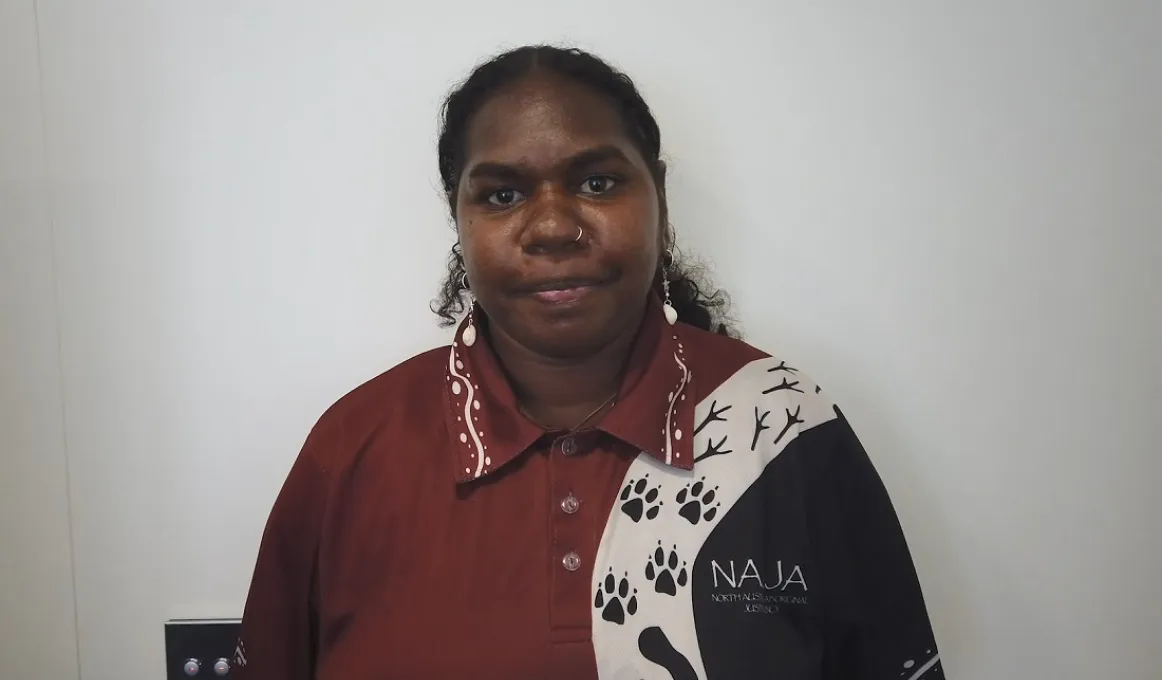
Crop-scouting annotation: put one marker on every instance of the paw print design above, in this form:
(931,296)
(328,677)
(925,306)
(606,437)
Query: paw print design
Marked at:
(615,599)
(665,572)
(695,502)
(639,500)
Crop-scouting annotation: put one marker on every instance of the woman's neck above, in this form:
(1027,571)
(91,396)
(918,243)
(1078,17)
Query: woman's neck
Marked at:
(560,393)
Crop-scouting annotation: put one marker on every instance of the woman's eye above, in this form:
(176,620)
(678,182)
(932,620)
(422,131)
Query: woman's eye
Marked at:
(504,197)
(597,184)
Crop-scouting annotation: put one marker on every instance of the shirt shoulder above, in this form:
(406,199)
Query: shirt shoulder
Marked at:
(408,395)
(720,358)
(715,357)
(731,371)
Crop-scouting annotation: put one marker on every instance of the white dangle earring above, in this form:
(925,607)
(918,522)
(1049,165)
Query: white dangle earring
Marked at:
(667,305)
(469,335)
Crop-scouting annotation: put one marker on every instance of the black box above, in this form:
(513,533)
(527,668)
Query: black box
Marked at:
(200,648)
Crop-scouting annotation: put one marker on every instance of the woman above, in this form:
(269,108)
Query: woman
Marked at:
(594,480)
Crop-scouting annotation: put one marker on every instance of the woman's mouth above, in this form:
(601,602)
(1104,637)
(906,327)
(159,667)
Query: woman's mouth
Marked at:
(564,291)
(560,296)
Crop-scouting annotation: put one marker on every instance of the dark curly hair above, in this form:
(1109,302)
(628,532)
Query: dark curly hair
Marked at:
(696,302)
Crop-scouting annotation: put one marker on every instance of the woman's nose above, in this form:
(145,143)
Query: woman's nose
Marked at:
(553,224)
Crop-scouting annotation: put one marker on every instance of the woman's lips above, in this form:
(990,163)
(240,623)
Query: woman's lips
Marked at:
(560,296)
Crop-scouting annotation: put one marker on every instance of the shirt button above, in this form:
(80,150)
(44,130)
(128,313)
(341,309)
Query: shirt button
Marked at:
(571,562)
(570,504)
(569,446)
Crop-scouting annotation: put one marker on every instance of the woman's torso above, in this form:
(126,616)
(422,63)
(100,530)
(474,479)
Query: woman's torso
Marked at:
(582,556)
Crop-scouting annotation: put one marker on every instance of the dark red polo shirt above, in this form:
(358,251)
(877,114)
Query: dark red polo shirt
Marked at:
(721,521)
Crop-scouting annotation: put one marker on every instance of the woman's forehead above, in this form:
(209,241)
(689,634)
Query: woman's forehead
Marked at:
(542,117)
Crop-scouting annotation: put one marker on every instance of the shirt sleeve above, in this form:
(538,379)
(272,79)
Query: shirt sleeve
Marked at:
(278,635)
(877,624)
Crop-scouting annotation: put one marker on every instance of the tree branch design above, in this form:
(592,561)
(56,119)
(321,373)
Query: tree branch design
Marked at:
(783,367)
(713,449)
(714,416)
(785,385)
(792,420)
(759,426)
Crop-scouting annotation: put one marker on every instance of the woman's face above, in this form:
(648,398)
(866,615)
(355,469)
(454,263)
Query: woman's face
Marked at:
(548,159)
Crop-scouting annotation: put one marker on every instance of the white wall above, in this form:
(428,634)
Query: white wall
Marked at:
(949,215)
(37,623)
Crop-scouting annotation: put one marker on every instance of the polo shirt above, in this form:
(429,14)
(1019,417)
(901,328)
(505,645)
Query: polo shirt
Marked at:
(722,521)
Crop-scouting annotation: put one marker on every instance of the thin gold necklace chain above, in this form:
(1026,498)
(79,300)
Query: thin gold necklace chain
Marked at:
(578,426)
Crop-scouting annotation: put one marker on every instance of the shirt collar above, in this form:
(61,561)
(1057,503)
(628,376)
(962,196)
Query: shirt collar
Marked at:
(654,411)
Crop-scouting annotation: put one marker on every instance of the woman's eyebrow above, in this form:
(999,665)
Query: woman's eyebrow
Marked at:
(511,171)
(495,170)
(606,152)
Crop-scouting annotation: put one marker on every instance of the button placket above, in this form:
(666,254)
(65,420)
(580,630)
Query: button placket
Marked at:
(571,561)
(572,543)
